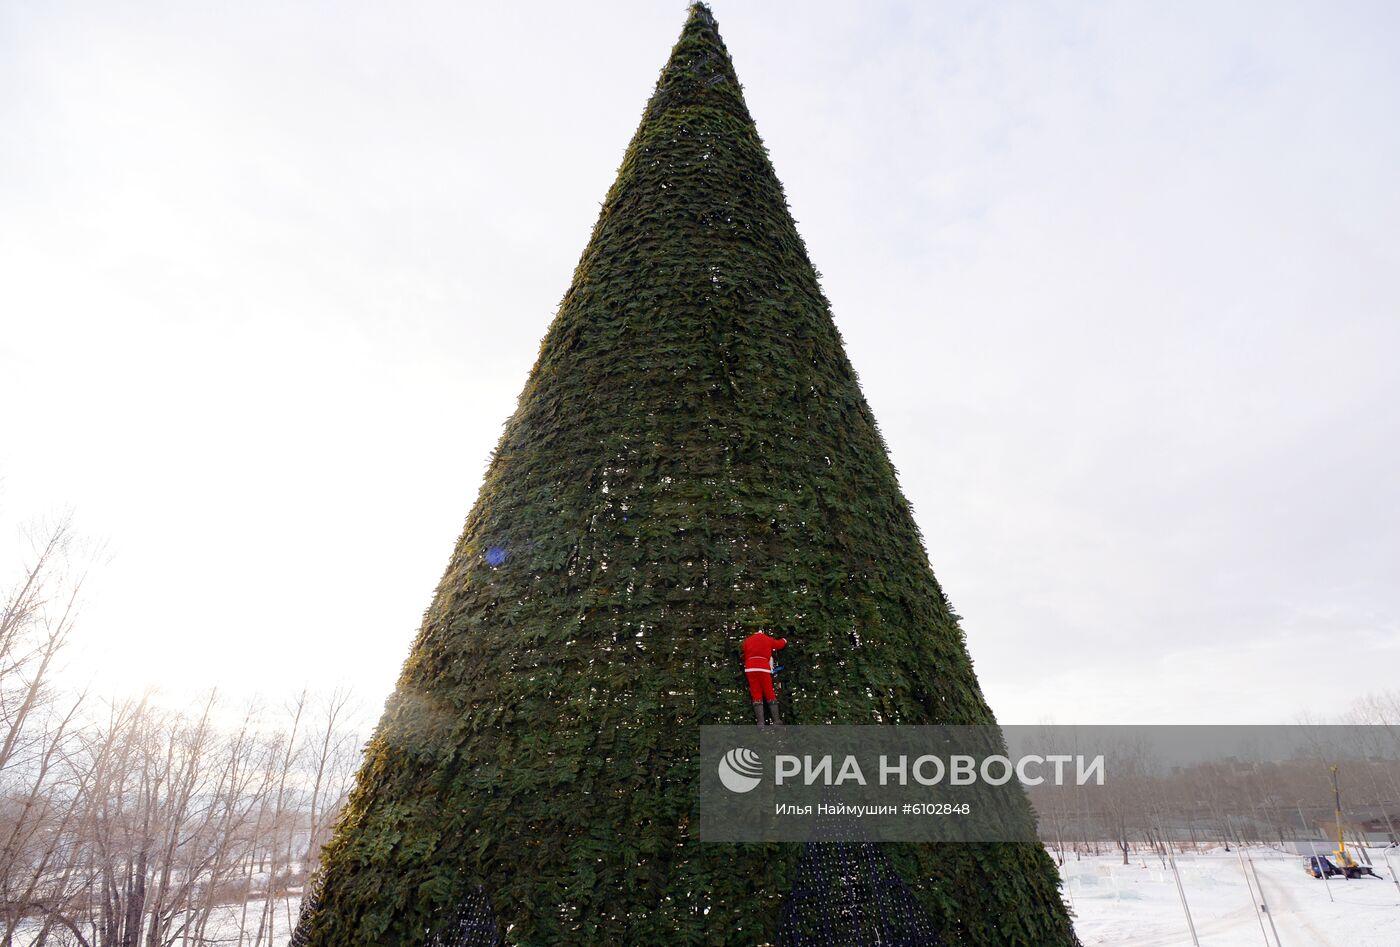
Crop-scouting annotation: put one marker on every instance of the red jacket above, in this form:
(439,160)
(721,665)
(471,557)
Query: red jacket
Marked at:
(758,651)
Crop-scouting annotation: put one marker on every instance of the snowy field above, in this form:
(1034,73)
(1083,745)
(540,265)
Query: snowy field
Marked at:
(1137,905)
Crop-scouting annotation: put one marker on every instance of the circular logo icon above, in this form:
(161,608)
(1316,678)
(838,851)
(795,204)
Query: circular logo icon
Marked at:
(740,770)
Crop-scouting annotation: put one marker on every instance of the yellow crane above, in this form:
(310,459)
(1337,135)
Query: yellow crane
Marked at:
(1319,866)
(1344,860)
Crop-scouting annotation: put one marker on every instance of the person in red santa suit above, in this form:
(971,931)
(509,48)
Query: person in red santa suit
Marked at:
(758,668)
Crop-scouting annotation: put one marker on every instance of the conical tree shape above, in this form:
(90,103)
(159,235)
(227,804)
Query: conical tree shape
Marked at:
(691,454)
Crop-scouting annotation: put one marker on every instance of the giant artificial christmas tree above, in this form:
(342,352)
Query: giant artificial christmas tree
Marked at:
(691,458)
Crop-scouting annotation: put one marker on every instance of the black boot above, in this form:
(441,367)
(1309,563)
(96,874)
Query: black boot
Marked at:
(773,712)
(758,712)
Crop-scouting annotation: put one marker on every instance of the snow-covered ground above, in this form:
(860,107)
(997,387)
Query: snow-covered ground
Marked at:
(225,921)
(1137,905)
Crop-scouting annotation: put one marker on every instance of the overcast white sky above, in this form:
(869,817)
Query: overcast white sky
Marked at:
(1120,281)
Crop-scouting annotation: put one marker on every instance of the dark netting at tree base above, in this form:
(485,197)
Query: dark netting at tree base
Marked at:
(848,892)
(310,901)
(691,460)
(473,925)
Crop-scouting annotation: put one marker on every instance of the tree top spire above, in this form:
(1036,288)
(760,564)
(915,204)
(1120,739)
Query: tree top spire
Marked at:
(699,72)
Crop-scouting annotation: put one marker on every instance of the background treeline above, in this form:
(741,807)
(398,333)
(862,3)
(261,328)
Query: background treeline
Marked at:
(1146,803)
(135,824)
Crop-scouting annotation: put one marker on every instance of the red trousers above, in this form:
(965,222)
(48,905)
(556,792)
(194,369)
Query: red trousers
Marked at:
(761,685)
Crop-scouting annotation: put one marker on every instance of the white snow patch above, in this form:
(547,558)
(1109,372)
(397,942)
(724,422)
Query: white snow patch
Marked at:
(1137,905)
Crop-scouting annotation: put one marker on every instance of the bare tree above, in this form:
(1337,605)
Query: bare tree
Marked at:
(130,824)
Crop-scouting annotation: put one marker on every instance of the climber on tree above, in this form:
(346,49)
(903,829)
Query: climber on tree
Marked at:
(758,668)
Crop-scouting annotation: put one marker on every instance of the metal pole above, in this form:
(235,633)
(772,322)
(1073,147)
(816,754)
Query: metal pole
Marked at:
(1252,901)
(1393,877)
(1263,900)
(1181,891)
